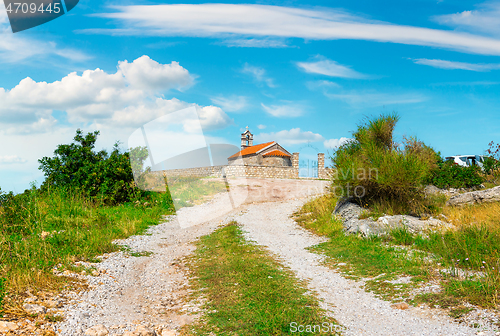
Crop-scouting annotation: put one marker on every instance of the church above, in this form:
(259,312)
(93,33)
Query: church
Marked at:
(265,154)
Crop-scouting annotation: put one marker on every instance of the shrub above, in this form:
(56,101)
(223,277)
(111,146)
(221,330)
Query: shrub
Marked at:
(103,175)
(450,175)
(373,169)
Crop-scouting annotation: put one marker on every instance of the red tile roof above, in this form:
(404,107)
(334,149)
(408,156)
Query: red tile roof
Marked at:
(276,152)
(251,150)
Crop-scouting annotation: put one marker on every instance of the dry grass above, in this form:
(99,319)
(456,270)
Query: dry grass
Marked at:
(487,214)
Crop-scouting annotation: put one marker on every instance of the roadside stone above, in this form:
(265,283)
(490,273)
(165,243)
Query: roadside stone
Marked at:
(143,331)
(34,309)
(53,303)
(31,299)
(349,212)
(168,332)
(401,305)
(130,333)
(5,327)
(473,197)
(44,235)
(97,330)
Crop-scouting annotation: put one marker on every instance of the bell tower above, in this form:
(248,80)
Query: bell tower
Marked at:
(246,139)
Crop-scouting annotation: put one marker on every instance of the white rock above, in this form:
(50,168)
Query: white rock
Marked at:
(5,327)
(168,332)
(53,303)
(143,331)
(34,309)
(130,333)
(97,330)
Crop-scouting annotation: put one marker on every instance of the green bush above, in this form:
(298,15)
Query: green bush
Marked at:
(450,175)
(375,170)
(103,175)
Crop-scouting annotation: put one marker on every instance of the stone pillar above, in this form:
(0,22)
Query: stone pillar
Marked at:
(321,166)
(295,164)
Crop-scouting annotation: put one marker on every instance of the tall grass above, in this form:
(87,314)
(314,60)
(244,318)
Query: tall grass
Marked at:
(374,169)
(41,229)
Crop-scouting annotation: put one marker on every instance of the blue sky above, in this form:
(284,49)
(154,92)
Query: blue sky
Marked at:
(296,72)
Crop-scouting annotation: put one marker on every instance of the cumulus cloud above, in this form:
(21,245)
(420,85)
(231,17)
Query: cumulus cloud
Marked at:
(288,110)
(250,20)
(146,73)
(261,126)
(324,66)
(258,74)
(126,98)
(10,159)
(336,143)
(292,137)
(231,104)
(451,65)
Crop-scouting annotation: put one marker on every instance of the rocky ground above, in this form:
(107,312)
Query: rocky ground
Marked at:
(143,291)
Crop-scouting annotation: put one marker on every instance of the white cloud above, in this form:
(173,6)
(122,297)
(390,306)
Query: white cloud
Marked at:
(258,74)
(292,137)
(126,98)
(231,104)
(10,159)
(483,20)
(321,84)
(261,126)
(288,110)
(335,143)
(451,65)
(256,43)
(370,99)
(324,66)
(18,47)
(248,20)
(146,73)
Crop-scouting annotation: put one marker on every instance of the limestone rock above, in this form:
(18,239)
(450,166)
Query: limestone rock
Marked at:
(479,196)
(53,303)
(44,234)
(168,332)
(5,327)
(34,309)
(401,305)
(143,331)
(349,213)
(97,330)
(130,333)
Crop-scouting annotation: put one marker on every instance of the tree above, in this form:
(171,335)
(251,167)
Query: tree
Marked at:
(107,176)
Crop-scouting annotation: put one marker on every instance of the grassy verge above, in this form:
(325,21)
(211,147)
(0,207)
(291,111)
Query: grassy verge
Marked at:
(247,291)
(468,251)
(56,228)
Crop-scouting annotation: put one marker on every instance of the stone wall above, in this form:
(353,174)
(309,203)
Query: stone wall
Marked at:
(235,171)
(253,170)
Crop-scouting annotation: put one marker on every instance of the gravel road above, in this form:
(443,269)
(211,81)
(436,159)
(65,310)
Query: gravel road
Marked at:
(360,312)
(149,290)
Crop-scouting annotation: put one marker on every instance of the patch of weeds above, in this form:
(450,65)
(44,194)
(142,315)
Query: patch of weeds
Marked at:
(246,291)
(54,318)
(443,300)
(127,250)
(457,313)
